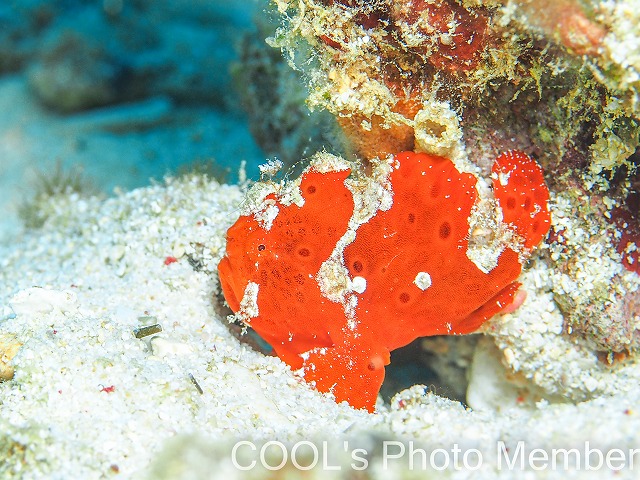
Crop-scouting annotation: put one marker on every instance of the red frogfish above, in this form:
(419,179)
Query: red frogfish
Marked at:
(336,270)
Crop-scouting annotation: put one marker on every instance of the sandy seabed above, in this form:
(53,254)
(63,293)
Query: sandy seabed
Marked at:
(88,399)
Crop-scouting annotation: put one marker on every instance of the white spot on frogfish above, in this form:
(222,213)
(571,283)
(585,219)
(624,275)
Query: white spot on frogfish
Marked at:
(422,280)
(359,284)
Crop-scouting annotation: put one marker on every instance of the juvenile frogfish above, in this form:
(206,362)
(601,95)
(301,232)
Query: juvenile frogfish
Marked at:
(336,270)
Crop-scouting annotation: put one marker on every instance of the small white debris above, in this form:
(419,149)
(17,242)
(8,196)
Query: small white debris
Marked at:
(423,280)
(161,347)
(359,284)
(271,168)
(591,384)
(178,250)
(39,300)
(266,216)
(117,252)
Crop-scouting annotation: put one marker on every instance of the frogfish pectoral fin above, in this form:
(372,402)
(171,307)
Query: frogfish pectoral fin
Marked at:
(352,373)
(502,302)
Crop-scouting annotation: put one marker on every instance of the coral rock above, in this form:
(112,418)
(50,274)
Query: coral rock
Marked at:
(625,217)
(452,36)
(335,289)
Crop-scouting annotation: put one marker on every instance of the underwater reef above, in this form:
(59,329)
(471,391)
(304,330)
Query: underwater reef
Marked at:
(470,80)
(466,205)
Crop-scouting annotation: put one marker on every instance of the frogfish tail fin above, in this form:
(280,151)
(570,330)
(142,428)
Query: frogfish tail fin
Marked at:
(351,372)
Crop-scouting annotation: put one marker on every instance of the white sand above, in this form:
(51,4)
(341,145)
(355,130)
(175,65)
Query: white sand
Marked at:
(89,398)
